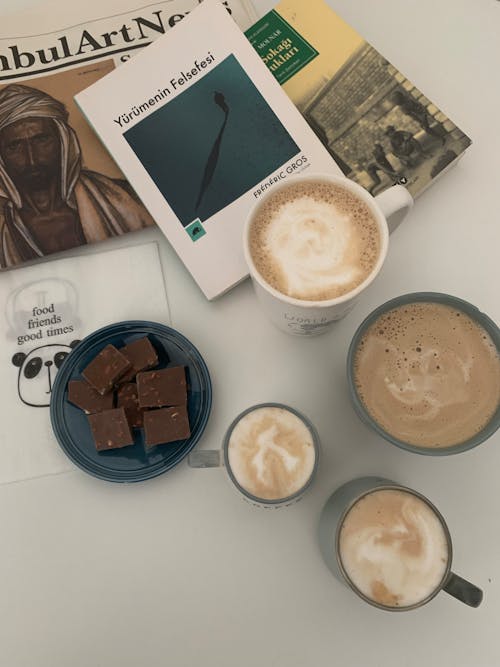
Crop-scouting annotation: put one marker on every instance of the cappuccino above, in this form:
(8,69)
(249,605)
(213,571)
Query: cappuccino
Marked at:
(428,374)
(394,548)
(314,240)
(271,453)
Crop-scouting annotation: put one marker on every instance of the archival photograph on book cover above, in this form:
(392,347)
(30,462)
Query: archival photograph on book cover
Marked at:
(378,126)
(59,187)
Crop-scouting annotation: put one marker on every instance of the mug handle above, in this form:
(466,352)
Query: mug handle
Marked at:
(463,590)
(395,202)
(206,458)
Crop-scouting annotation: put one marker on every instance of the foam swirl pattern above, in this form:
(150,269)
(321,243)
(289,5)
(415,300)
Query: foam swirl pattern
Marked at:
(428,374)
(271,453)
(393,548)
(314,241)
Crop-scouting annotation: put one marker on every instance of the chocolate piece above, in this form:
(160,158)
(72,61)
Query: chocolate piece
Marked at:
(166,425)
(85,397)
(163,387)
(106,368)
(141,355)
(110,429)
(127,398)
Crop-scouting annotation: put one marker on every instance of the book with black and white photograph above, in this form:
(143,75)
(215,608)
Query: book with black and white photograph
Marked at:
(377,125)
(201,129)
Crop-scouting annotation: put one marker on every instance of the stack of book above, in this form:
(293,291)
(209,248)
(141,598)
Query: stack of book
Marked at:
(199,125)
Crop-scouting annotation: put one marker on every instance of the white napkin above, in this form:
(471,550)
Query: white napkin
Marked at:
(47,307)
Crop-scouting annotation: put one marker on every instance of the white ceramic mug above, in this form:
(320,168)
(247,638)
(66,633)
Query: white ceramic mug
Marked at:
(308,318)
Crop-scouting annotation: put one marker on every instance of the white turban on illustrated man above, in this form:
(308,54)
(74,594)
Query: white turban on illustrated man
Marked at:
(83,205)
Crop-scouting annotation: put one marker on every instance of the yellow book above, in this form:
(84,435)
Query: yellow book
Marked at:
(376,124)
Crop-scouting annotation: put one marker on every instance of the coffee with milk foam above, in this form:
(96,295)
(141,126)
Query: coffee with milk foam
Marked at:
(271,453)
(314,240)
(428,374)
(394,548)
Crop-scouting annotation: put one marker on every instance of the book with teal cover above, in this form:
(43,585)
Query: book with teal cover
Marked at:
(201,129)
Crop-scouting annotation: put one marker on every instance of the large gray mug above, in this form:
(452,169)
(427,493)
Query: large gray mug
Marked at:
(479,318)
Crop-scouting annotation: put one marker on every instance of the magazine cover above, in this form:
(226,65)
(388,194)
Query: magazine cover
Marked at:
(59,188)
(201,129)
(377,125)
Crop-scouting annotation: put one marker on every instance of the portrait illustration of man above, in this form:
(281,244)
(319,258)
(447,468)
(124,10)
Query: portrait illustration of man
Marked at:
(48,201)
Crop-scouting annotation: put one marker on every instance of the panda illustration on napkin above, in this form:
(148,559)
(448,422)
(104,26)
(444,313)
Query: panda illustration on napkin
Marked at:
(38,366)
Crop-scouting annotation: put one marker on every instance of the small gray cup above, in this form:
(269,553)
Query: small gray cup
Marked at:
(214,458)
(427,297)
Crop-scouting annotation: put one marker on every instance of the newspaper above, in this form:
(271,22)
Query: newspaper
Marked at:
(59,188)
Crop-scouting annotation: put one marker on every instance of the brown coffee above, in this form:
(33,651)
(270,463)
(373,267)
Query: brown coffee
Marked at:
(428,374)
(314,240)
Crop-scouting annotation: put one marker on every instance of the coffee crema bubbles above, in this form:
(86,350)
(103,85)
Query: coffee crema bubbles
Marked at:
(428,374)
(393,548)
(314,240)
(271,453)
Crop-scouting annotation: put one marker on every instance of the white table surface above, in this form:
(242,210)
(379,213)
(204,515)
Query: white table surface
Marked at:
(179,571)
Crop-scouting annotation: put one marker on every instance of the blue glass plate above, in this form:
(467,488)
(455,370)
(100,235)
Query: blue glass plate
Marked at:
(134,463)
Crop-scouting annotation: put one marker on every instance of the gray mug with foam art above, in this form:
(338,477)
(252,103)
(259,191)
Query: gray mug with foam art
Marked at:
(390,545)
(270,453)
(424,373)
